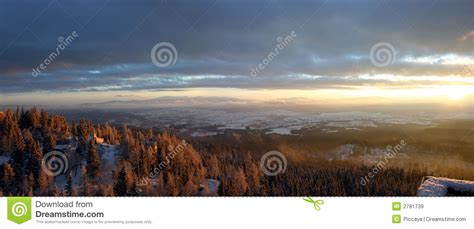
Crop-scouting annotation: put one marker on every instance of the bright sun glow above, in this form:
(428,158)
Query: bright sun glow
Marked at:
(457,93)
(360,95)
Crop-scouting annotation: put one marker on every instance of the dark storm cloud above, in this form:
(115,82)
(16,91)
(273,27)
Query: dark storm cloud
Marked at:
(219,42)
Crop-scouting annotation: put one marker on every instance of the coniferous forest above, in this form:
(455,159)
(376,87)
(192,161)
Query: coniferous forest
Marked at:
(98,159)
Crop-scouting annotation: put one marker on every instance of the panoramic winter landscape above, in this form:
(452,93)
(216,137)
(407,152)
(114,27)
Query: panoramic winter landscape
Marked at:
(236,98)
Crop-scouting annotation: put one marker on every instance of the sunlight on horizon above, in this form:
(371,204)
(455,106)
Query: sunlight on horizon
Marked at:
(347,95)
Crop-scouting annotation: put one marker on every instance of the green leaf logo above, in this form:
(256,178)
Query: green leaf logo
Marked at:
(19,209)
(315,203)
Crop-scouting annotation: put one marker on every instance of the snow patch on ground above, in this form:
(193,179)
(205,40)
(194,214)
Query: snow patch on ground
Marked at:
(213,186)
(438,186)
(4,160)
(109,154)
(329,131)
(281,131)
(203,133)
(280,121)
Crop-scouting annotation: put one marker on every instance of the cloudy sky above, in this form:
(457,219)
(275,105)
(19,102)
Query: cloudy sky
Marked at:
(86,50)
